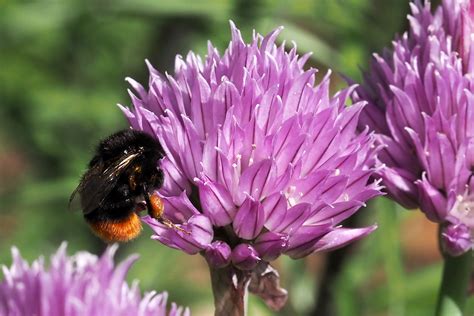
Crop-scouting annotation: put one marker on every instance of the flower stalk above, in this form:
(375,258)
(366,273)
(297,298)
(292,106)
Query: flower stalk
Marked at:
(454,285)
(230,290)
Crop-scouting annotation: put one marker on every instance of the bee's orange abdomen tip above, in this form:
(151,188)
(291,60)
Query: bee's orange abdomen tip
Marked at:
(121,231)
(156,206)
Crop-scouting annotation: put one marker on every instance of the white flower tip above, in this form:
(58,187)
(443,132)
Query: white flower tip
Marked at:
(148,64)
(15,251)
(122,107)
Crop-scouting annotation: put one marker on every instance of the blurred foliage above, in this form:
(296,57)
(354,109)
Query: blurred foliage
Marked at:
(62,65)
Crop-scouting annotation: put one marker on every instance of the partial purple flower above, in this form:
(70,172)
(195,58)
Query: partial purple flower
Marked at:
(218,254)
(82,284)
(421,105)
(457,238)
(267,160)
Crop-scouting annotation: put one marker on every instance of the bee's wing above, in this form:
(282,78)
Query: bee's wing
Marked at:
(98,182)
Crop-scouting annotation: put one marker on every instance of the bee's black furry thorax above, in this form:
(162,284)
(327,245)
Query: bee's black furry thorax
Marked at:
(123,170)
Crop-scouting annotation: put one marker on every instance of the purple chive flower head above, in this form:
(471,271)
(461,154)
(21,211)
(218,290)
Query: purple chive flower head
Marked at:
(79,285)
(260,161)
(421,105)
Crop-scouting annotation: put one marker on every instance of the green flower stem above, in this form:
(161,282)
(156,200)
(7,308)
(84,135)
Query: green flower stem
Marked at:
(230,290)
(454,286)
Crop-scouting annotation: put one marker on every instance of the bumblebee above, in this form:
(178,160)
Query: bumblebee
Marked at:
(122,176)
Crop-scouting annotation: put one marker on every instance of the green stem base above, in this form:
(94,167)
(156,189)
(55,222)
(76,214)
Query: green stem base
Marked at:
(454,285)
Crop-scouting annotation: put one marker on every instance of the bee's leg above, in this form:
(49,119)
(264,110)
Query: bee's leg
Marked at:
(172,225)
(154,205)
(149,206)
(155,209)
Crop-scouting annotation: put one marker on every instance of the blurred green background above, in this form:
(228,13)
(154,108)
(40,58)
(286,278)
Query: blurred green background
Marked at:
(62,65)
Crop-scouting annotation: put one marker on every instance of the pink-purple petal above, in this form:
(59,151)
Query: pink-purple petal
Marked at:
(179,208)
(245,257)
(400,185)
(271,245)
(216,203)
(456,239)
(253,181)
(340,237)
(196,233)
(302,241)
(434,202)
(249,220)
(275,208)
(293,219)
(218,254)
